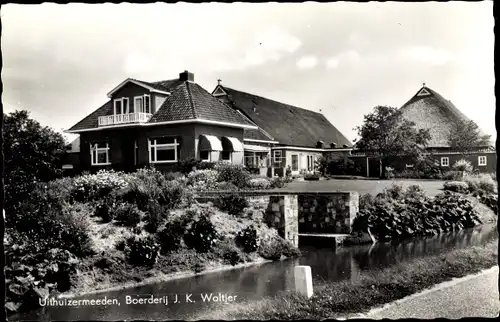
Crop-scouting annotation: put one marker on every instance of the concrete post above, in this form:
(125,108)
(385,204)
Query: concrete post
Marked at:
(303,280)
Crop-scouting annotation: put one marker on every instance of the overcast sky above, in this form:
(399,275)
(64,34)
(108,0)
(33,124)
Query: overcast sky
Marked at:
(342,58)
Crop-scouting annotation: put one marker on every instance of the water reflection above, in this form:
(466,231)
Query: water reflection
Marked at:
(255,282)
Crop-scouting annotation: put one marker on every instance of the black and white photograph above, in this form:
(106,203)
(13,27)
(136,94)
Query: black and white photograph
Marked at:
(249,161)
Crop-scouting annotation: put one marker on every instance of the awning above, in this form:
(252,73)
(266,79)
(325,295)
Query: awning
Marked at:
(209,143)
(256,148)
(236,144)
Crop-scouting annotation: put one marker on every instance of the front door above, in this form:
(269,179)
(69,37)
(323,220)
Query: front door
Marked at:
(374,168)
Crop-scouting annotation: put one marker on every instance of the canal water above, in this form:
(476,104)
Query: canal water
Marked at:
(255,282)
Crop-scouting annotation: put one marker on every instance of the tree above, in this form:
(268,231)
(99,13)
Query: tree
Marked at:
(386,134)
(465,136)
(32,153)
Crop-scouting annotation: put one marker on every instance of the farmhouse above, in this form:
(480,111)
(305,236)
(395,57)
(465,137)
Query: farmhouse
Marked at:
(429,110)
(162,123)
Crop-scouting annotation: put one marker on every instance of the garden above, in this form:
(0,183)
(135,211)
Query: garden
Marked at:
(103,230)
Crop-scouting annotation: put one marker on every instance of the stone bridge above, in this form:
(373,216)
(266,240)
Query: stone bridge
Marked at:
(308,214)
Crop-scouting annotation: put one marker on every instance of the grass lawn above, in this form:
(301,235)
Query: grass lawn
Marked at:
(374,288)
(431,187)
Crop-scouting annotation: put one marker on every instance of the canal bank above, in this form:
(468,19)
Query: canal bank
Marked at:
(253,284)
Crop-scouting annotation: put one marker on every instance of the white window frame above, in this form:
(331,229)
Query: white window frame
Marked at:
(143,99)
(173,146)
(482,157)
(94,159)
(209,156)
(310,163)
(124,106)
(443,159)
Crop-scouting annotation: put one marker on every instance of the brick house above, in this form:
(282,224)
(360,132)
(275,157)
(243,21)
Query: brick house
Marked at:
(287,136)
(429,110)
(160,124)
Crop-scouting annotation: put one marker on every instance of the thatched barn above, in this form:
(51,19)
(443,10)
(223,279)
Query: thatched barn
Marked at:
(429,110)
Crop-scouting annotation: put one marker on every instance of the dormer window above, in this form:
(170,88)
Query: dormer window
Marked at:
(142,104)
(121,106)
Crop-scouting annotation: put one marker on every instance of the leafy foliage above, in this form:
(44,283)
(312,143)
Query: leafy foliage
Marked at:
(235,174)
(397,213)
(142,251)
(229,251)
(33,154)
(232,204)
(202,235)
(276,247)
(155,214)
(311,177)
(170,237)
(385,133)
(465,136)
(127,215)
(247,239)
(188,165)
(463,166)
(259,183)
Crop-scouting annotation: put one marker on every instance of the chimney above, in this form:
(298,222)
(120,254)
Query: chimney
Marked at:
(219,81)
(333,145)
(186,76)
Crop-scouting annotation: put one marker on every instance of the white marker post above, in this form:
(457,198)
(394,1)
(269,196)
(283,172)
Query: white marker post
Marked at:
(303,281)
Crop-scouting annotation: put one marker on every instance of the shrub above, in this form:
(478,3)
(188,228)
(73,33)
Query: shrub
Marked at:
(414,191)
(186,166)
(288,172)
(203,179)
(279,182)
(417,217)
(453,175)
(311,177)
(173,193)
(236,174)
(259,183)
(225,186)
(141,251)
(232,204)
(104,212)
(481,183)
(389,173)
(341,167)
(95,186)
(276,247)
(229,251)
(202,235)
(170,237)
(121,244)
(490,200)
(456,186)
(463,166)
(247,239)
(127,215)
(155,215)
(366,201)
(47,225)
(173,176)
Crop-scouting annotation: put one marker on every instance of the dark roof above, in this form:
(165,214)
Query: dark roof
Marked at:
(187,101)
(258,134)
(429,110)
(190,101)
(290,125)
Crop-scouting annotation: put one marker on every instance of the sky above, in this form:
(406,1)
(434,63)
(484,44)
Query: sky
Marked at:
(341,59)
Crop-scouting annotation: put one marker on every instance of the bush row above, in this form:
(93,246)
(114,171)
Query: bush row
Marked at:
(400,213)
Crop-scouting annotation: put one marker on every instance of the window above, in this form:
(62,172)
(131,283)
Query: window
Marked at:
(277,158)
(142,104)
(205,156)
(163,150)
(310,163)
(99,153)
(295,162)
(445,162)
(121,106)
(226,155)
(481,160)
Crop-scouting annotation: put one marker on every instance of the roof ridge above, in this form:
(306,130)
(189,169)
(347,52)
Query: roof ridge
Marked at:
(269,99)
(190,97)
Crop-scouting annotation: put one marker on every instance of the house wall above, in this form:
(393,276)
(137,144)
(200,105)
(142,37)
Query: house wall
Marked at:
(121,143)
(218,131)
(302,159)
(130,90)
